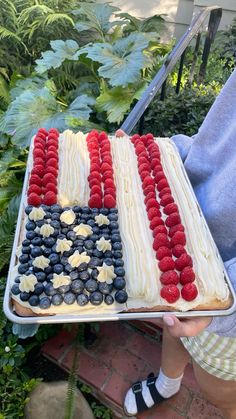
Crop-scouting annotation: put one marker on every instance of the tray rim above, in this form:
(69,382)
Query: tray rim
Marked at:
(77,318)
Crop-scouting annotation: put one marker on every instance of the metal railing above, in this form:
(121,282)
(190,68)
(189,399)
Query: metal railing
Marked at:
(178,52)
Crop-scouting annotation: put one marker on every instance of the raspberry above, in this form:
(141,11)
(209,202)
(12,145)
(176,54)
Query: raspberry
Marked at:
(105,166)
(169,277)
(94,175)
(95,201)
(187,275)
(163,183)
(166,264)
(162,252)
(38,170)
(177,227)
(39,153)
(157,169)
(166,199)
(153,212)
(189,292)
(150,195)
(149,188)
(148,181)
(183,261)
(109,183)
(52,163)
(50,198)
(102,136)
(143,160)
(105,147)
(51,155)
(144,174)
(107,159)
(34,199)
(39,140)
(38,160)
(173,219)
(139,149)
(43,131)
(160,175)
(160,240)
(49,178)
(149,136)
(143,167)
(96,190)
(170,208)
(151,147)
(34,189)
(51,187)
(178,250)
(110,191)
(143,138)
(170,293)
(95,167)
(35,180)
(152,203)
(93,147)
(93,133)
(155,162)
(39,145)
(108,174)
(134,137)
(54,131)
(109,201)
(51,170)
(52,148)
(164,191)
(94,182)
(178,238)
(52,136)
(156,155)
(159,229)
(94,154)
(156,221)
(53,143)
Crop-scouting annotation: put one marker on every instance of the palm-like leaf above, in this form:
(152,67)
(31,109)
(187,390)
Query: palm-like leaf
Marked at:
(7,227)
(62,50)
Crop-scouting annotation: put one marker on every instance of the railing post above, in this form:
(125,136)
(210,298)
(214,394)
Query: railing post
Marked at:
(181,65)
(195,55)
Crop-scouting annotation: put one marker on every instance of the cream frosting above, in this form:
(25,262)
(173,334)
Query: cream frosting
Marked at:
(68,217)
(46,230)
(59,280)
(41,262)
(77,258)
(83,230)
(103,244)
(106,273)
(27,283)
(37,214)
(63,245)
(102,219)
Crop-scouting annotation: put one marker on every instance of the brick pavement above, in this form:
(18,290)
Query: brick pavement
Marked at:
(121,354)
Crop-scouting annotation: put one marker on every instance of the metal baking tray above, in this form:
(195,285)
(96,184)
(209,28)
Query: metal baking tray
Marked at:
(77,318)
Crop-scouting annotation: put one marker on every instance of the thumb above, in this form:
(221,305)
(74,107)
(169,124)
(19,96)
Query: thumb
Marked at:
(185,327)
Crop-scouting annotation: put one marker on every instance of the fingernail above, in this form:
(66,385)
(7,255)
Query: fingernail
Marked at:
(169,321)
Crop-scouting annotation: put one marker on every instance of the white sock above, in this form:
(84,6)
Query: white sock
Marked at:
(166,386)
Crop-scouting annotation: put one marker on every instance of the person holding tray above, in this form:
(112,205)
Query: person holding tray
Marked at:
(210,160)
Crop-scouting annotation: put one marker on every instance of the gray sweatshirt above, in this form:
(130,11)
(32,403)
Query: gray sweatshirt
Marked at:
(210,161)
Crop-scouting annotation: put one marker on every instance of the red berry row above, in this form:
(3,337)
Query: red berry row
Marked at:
(169,237)
(101,176)
(43,178)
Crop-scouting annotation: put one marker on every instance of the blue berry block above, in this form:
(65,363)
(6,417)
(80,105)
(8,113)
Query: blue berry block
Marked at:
(44,303)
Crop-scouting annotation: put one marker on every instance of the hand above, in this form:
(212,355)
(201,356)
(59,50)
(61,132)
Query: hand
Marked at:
(185,327)
(120,133)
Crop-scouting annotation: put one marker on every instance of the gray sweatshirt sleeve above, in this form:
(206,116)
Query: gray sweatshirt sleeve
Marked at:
(226,326)
(183,143)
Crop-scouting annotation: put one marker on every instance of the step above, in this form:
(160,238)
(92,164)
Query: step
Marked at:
(119,356)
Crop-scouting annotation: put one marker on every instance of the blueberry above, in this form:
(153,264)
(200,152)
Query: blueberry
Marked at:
(113,217)
(64,260)
(30,235)
(54,258)
(55,216)
(115,238)
(71,235)
(24,258)
(47,215)
(55,233)
(108,261)
(35,269)
(96,298)
(113,225)
(68,252)
(119,271)
(30,225)
(77,209)
(22,268)
(78,242)
(69,298)
(108,254)
(17,279)
(57,299)
(91,285)
(45,207)
(85,217)
(84,275)
(63,289)
(49,241)
(105,236)
(36,251)
(34,300)
(39,223)
(49,289)
(15,289)
(121,296)
(82,267)
(96,230)
(37,241)
(53,248)
(113,210)
(119,283)
(61,236)
(28,209)
(55,224)
(24,296)
(47,251)
(64,228)
(97,253)
(44,303)
(105,288)
(77,286)
(117,254)
(39,288)
(48,270)
(117,246)
(68,268)
(74,275)
(119,262)
(66,209)
(109,299)
(25,250)
(56,208)
(94,210)
(89,252)
(82,299)
(105,230)
(49,277)
(104,211)
(94,273)
(94,237)
(91,223)
(85,210)
(26,242)
(94,262)
(58,268)
(41,276)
